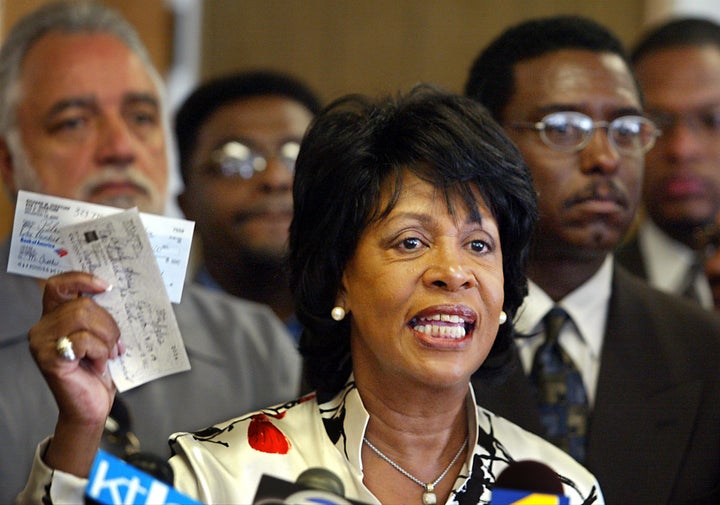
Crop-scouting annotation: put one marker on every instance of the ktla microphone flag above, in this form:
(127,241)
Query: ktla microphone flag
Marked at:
(114,481)
(510,497)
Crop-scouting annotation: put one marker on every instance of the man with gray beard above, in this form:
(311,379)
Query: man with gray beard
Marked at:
(83,117)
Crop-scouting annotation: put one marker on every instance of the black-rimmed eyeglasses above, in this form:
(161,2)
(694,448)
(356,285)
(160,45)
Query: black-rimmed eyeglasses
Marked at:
(571,131)
(235,159)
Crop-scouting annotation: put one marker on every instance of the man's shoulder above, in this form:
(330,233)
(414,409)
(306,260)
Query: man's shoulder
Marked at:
(663,314)
(208,303)
(195,294)
(638,290)
(209,318)
(20,301)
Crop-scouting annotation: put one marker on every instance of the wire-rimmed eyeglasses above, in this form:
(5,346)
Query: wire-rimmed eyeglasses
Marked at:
(570,131)
(235,159)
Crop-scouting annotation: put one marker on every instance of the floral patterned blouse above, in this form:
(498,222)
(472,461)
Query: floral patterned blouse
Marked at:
(224,463)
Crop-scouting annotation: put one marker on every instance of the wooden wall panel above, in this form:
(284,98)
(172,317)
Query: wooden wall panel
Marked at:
(340,46)
(374,46)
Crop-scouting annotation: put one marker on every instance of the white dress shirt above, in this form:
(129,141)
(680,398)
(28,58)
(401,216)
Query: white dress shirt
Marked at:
(667,262)
(582,339)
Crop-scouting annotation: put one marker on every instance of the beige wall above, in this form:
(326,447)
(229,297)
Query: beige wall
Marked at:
(341,46)
(372,46)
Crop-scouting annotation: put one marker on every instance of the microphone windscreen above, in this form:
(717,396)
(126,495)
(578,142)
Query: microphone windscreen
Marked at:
(153,465)
(275,491)
(530,475)
(321,479)
(113,481)
(120,414)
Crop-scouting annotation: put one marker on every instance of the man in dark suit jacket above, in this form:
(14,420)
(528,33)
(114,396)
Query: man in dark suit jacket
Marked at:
(681,188)
(564,91)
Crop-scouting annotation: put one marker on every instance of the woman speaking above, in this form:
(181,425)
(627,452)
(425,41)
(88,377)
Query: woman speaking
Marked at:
(412,217)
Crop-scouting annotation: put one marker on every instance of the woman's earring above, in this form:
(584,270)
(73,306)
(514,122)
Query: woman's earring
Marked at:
(337,313)
(502,318)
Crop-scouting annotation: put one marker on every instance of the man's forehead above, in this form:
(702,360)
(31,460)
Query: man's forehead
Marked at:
(259,122)
(696,71)
(573,69)
(84,62)
(93,101)
(575,80)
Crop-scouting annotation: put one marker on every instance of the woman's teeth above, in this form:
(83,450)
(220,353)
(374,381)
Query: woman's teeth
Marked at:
(454,330)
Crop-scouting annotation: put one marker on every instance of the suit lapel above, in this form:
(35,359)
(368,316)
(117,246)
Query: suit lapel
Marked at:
(514,399)
(642,418)
(630,257)
(638,411)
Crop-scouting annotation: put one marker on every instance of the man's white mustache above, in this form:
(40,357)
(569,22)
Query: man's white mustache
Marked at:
(113,176)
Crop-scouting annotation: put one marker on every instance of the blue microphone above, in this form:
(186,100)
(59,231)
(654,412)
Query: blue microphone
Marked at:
(113,481)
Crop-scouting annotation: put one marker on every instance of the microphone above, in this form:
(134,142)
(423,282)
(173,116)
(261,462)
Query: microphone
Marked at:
(153,465)
(313,486)
(114,481)
(322,479)
(528,482)
(119,444)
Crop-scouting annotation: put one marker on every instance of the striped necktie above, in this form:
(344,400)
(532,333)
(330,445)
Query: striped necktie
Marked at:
(561,394)
(689,285)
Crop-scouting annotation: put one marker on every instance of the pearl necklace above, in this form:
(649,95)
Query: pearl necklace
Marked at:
(429,497)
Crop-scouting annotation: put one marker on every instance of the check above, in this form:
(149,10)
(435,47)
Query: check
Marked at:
(36,252)
(116,249)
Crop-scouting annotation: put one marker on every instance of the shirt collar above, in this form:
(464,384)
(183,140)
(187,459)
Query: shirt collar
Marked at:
(587,306)
(670,259)
(356,417)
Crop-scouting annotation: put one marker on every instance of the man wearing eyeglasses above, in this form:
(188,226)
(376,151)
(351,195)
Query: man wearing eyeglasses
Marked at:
(620,375)
(238,137)
(678,67)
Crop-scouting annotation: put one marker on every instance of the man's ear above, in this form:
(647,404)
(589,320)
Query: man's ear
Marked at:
(6,167)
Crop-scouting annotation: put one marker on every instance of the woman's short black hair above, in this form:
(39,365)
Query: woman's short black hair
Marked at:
(353,149)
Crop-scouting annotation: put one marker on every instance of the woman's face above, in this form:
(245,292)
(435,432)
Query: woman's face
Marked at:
(424,290)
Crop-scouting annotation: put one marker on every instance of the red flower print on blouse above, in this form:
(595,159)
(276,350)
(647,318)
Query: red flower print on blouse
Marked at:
(265,437)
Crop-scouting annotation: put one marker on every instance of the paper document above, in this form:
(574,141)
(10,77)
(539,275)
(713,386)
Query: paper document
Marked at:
(117,249)
(35,251)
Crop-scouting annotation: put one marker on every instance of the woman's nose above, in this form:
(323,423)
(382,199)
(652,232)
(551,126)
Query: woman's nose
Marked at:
(448,270)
